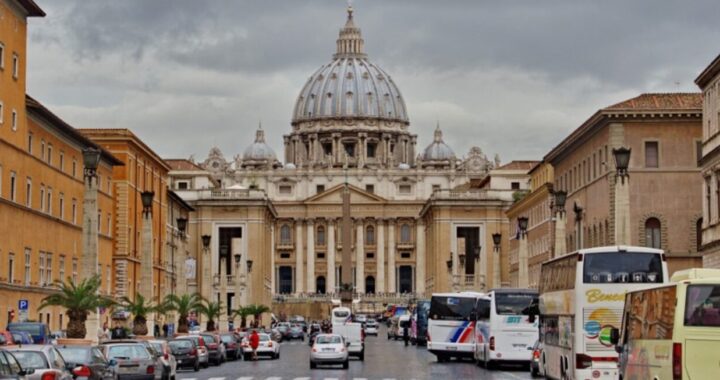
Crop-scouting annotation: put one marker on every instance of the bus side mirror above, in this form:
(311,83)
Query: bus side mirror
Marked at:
(614,336)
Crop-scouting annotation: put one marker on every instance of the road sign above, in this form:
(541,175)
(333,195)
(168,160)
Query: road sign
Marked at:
(23,305)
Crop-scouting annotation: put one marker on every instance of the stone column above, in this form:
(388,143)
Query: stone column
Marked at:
(560,243)
(298,256)
(206,282)
(237,249)
(223,318)
(310,256)
(89,261)
(272,259)
(146,267)
(523,280)
(380,276)
(497,258)
(622,211)
(391,257)
(360,258)
(330,282)
(420,254)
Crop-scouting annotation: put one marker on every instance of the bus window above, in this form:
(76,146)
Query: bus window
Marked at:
(702,306)
(514,303)
(451,308)
(483,309)
(622,267)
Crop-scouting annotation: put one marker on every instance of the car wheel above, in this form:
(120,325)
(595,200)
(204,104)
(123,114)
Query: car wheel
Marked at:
(246,357)
(313,365)
(346,364)
(196,367)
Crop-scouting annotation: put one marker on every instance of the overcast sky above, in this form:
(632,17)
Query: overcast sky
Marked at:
(512,77)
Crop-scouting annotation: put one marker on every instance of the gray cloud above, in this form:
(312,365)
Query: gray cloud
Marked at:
(512,77)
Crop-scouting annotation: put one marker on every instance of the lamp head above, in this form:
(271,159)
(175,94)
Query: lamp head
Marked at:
(622,160)
(237,258)
(147,199)
(182,224)
(560,198)
(206,241)
(523,223)
(497,238)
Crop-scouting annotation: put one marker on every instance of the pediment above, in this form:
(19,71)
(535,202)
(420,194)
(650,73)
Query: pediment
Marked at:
(334,195)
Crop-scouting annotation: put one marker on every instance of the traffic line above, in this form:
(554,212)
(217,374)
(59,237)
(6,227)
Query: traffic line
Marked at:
(274,378)
(216,378)
(245,378)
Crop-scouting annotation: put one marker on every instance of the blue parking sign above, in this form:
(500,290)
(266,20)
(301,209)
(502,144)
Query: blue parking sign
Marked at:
(23,304)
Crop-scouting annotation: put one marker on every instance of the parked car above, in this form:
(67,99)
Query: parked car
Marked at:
(371,327)
(232,345)
(21,337)
(275,334)
(186,353)
(134,360)
(88,362)
(215,348)
(157,355)
(535,368)
(266,348)
(329,349)
(203,353)
(39,331)
(13,369)
(44,359)
(361,318)
(168,360)
(296,332)
(284,329)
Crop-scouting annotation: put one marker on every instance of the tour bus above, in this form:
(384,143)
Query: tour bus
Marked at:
(582,295)
(506,326)
(451,325)
(672,331)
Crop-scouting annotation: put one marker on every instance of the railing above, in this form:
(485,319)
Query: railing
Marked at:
(363,298)
(469,280)
(222,194)
(473,194)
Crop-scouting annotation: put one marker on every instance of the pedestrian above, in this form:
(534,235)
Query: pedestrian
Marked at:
(165,329)
(406,333)
(118,332)
(156,330)
(254,343)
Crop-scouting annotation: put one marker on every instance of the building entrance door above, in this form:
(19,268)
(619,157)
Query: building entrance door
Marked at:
(405,279)
(320,285)
(285,280)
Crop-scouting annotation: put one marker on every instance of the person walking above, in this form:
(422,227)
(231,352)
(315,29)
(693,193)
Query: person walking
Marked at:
(254,343)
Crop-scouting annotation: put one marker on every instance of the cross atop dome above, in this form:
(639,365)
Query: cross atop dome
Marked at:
(350,43)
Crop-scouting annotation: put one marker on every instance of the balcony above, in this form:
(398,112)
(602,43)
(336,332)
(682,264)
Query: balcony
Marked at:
(221,194)
(476,195)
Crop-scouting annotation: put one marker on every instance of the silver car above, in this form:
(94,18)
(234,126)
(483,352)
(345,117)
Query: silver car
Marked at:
(44,359)
(166,357)
(329,349)
(134,360)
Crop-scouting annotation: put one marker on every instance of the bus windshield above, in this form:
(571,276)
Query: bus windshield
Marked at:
(622,267)
(514,303)
(451,308)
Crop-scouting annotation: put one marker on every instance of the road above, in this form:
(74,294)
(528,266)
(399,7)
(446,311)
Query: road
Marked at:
(384,359)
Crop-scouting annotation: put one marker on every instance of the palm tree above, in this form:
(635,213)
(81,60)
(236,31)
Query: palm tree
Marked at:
(140,308)
(183,305)
(243,312)
(257,311)
(79,300)
(212,310)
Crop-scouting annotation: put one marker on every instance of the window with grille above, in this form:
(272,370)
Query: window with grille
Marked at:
(652,233)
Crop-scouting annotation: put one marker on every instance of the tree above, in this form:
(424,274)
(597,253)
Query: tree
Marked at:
(140,308)
(212,310)
(183,305)
(79,300)
(257,311)
(243,312)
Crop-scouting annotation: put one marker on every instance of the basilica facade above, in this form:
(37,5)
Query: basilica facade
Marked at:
(422,219)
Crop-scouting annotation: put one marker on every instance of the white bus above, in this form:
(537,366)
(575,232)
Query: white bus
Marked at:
(451,325)
(506,327)
(582,295)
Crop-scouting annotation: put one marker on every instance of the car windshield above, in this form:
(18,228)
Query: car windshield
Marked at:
(31,359)
(31,328)
(227,338)
(264,337)
(622,267)
(514,303)
(328,339)
(77,355)
(158,347)
(177,344)
(128,351)
(451,308)
(208,338)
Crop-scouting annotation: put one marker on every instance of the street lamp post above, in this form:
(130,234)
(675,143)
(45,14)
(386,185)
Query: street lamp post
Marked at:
(480,269)
(559,198)
(179,259)
(497,240)
(146,266)
(452,268)
(523,253)
(622,196)
(91,160)
(580,241)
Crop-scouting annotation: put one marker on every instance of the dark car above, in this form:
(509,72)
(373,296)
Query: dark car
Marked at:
(232,345)
(12,368)
(296,332)
(39,331)
(202,348)
(186,353)
(88,362)
(213,346)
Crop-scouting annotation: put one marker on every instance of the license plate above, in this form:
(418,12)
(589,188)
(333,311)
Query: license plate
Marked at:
(519,345)
(179,361)
(327,349)
(452,348)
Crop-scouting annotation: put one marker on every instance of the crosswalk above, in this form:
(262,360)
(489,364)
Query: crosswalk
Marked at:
(276,378)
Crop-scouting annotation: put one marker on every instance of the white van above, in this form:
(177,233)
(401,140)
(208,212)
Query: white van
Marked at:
(352,332)
(672,331)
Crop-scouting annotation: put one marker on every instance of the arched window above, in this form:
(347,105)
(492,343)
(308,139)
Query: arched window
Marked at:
(698,233)
(405,233)
(285,235)
(370,235)
(652,233)
(320,238)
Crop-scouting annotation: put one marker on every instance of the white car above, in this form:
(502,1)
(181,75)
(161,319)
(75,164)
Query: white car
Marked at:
(371,327)
(329,349)
(361,318)
(267,347)
(167,358)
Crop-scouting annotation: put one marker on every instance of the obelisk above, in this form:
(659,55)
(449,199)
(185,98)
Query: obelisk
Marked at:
(346,285)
